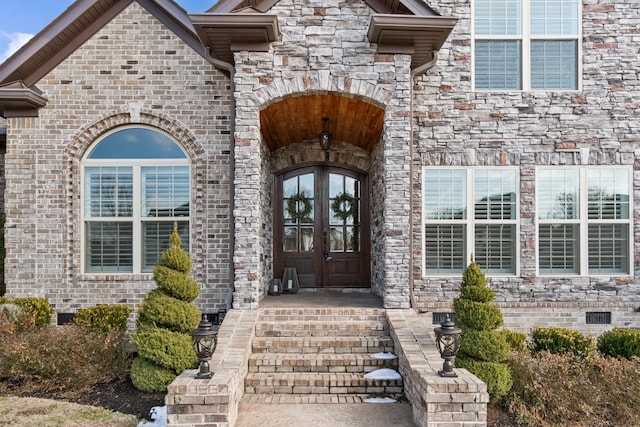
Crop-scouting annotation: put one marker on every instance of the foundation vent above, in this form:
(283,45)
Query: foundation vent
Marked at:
(598,317)
(440,317)
(64,318)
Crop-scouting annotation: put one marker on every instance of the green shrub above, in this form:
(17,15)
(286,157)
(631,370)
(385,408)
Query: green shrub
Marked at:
(176,284)
(149,377)
(163,337)
(477,315)
(169,349)
(103,318)
(38,308)
(485,346)
(496,375)
(558,340)
(477,293)
(560,389)
(517,340)
(620,342)
(163,311)
(62,358)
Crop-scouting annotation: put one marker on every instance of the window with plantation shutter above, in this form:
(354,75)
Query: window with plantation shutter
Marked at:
(470,212)
(526,44)
(136,187)
(584,220)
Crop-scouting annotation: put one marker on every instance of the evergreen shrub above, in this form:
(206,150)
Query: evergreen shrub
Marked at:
(163,335)
(167,312)
(171,350)
(149,377)
(483,348)
(620,342)
(103,318)
(517,340)
(37,308)
(557,340)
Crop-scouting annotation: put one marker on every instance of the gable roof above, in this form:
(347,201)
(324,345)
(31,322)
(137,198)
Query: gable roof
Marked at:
(67,33)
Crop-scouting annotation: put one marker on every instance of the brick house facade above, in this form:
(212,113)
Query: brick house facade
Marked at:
(244,90)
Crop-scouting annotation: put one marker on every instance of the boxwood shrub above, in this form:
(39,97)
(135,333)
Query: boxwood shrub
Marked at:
(557,340)
(620,342)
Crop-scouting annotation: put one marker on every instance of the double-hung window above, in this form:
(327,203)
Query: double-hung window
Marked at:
(526,44)
(584,220)
(470,213)
(135,188)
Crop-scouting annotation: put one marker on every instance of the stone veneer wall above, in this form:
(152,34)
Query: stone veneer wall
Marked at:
(132,71)
(596,125)
(323,49)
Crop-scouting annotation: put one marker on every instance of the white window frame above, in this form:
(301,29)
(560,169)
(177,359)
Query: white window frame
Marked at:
(470,222)
(583,222)
(525,38)
(136,219)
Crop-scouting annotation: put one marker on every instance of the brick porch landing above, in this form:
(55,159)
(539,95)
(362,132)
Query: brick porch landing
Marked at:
(323,319)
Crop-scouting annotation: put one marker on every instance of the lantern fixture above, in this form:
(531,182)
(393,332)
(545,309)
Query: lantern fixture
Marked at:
(325,136)
(205,339)
(448,342)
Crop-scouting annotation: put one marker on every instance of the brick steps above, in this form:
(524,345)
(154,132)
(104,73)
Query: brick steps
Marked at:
(338,345)
(295,362)
(294,398)
(319,355)
(319,383)
(320,328)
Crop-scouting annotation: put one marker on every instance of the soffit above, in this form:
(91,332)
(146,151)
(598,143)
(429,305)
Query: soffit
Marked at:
(299,119)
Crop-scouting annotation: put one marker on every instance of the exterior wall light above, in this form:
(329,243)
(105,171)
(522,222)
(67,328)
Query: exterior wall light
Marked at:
(205,339)
(448,342)
(325,136)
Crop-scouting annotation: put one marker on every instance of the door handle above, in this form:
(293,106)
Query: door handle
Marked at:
(327,257)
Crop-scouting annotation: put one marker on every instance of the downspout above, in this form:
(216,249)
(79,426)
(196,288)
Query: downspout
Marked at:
(415,72)
(226,66)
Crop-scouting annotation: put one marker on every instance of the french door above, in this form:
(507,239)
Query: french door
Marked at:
(321,227)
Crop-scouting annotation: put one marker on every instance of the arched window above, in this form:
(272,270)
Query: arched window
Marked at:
(135,187)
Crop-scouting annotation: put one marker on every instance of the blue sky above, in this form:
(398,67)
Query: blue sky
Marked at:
(21,19)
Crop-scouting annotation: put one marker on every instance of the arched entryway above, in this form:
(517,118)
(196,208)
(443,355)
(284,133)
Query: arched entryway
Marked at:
(321,226)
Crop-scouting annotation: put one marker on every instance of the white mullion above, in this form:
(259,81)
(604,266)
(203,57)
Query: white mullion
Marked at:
(470,220)
(136,219)
(583,231)
(526,45)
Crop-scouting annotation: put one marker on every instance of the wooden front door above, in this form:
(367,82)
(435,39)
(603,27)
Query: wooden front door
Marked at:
(321,227)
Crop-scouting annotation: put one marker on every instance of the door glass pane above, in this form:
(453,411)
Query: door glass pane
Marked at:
(344,213)
(298,213)
(337,239)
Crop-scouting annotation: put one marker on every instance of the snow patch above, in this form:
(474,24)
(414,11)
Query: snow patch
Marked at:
(383,374)
(384,356)
(380,400)
(159,416)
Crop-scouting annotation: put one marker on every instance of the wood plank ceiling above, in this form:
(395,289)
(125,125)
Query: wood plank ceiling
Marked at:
(300,118)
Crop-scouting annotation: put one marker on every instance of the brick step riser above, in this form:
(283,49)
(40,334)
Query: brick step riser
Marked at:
(316,318)
(319,345)
(348,313)
(322,329)
(324,368)
(317,385)
(333,390)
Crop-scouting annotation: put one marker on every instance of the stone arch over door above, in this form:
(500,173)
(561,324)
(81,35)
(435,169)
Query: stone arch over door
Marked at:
(254,167)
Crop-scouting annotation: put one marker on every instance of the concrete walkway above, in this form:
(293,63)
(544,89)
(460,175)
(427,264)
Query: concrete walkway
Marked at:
(321,415)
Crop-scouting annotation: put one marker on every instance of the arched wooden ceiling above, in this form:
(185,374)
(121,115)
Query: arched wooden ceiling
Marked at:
(299,118)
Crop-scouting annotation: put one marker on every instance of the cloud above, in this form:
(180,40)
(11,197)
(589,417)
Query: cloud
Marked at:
(16,41)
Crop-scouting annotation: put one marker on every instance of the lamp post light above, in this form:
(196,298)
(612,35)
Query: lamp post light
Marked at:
(205,339)
(448,342)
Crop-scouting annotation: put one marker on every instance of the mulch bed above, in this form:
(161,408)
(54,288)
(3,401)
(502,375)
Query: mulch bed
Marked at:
(120,396)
